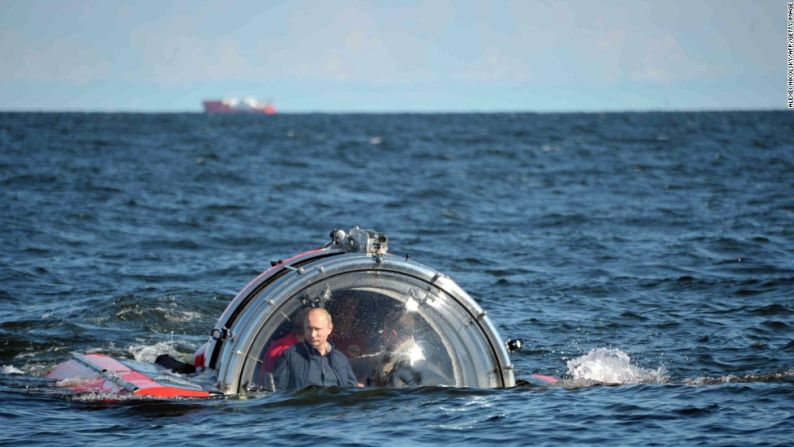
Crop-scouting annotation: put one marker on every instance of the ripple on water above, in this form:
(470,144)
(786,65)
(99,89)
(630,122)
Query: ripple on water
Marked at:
(577,232)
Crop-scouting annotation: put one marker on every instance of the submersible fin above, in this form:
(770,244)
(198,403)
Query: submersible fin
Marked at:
(104,375)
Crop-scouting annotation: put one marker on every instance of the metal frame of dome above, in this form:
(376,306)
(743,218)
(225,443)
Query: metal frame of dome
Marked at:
(357,259)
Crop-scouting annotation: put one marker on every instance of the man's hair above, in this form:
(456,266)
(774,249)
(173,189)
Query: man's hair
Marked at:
(318,309)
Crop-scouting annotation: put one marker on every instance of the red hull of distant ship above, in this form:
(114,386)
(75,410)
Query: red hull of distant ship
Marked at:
(222,107)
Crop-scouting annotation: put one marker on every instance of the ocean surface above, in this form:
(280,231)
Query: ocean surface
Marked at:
(645,258)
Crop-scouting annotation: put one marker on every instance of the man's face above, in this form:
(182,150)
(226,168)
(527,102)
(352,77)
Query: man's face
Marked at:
(317,329)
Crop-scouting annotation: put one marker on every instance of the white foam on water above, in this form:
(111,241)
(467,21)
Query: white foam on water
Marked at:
(178,316)
(149,353)
(11,369)
(612,366)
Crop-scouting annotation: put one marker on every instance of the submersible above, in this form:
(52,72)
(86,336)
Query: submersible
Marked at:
(381,304)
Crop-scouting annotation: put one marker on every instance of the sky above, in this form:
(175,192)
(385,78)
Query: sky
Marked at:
(394,56)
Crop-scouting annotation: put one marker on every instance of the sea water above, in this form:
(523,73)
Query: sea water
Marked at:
(646,259)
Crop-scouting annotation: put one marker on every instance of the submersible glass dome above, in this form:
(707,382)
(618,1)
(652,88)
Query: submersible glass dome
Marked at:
(374,298)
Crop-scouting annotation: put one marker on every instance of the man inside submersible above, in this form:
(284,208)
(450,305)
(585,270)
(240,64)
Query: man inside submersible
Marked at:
(314,361)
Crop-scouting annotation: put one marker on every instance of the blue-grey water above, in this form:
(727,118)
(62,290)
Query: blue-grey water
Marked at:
(656,249)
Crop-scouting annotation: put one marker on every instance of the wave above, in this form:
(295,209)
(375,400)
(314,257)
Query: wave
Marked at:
(611,366)
(147,353)
(10,369)
(785,376)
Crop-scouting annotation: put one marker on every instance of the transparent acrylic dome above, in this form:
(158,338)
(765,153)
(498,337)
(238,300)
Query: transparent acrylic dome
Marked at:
(398,322)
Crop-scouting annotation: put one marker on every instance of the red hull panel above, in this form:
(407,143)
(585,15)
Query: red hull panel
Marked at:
(98,373)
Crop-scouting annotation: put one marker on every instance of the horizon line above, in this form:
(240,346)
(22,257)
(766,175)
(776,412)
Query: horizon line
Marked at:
(404,112)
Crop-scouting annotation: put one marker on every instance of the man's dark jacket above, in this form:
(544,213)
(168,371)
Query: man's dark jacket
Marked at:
(302,365)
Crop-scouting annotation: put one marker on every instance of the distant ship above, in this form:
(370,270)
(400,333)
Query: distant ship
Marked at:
(235,106)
